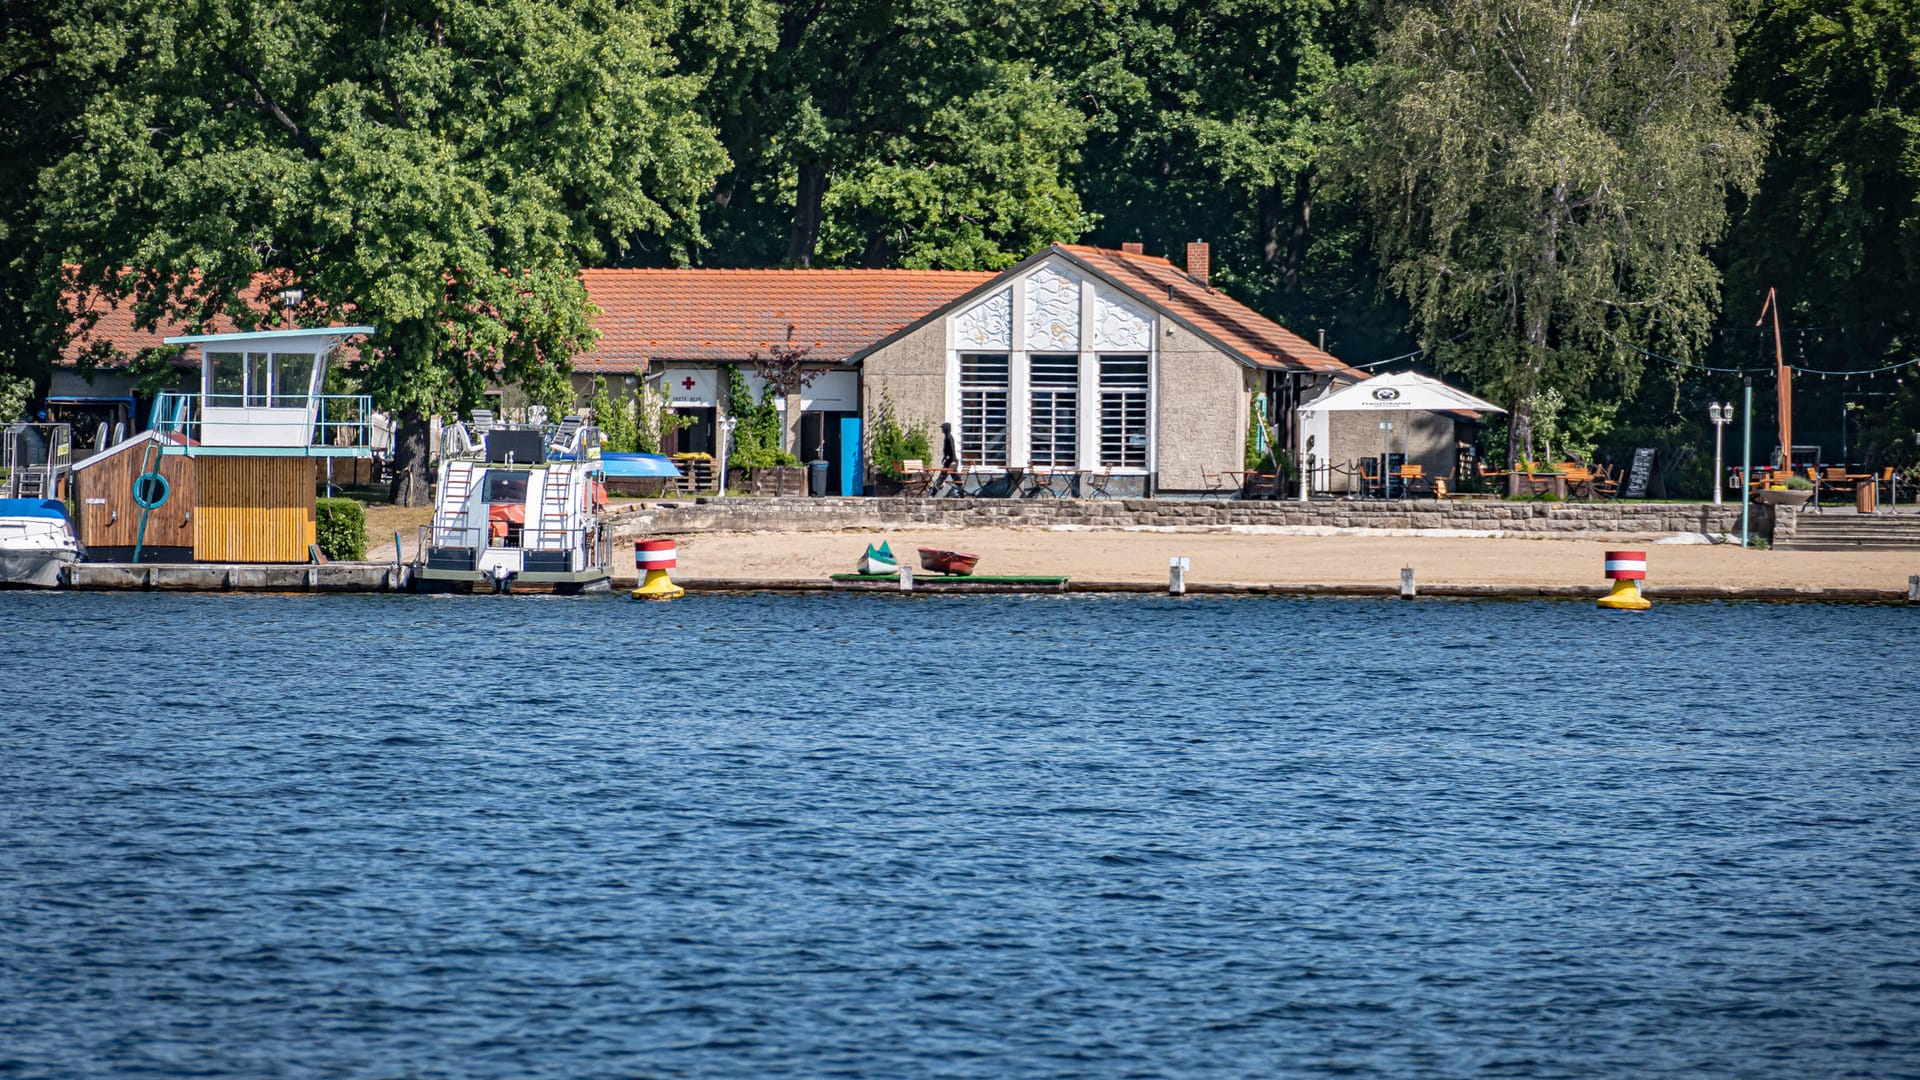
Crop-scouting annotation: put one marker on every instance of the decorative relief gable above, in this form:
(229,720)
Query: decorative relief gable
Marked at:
(1117,326)
(1053,311)
(987,324)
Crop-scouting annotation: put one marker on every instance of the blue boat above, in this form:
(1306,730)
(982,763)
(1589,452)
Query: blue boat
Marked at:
(637,466)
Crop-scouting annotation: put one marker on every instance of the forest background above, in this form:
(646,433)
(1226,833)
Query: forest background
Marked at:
(1575,207)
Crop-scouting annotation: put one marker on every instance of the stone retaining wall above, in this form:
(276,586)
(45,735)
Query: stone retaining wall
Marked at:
(838,514)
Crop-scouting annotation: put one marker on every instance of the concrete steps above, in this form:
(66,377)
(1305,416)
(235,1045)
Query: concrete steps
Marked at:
(1852,532)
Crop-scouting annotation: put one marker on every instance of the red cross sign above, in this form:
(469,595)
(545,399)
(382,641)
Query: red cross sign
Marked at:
(687,383)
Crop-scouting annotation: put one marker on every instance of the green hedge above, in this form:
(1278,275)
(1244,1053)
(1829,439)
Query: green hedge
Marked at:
(342,525)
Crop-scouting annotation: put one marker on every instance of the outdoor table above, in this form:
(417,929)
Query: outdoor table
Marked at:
(1537,483)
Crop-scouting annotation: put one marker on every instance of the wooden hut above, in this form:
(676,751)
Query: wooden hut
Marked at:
(253,434)
(109,518)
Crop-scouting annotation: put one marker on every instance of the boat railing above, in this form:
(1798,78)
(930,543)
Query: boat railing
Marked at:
(589,540)
(37,457)
(332,420)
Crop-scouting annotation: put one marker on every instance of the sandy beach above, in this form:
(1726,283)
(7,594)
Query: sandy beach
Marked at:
(1117,555)
(1249,556)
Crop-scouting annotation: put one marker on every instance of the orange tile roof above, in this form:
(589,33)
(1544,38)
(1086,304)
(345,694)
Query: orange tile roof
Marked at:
(664,315)
(115,333)
(1239,328)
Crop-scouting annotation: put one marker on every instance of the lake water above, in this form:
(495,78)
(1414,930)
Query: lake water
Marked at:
(971,837)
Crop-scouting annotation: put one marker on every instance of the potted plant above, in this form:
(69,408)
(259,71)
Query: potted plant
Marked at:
(1792,491)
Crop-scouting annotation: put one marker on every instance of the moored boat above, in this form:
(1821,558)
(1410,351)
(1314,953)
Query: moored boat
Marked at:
(517,512)
(942,561)
(879,560)
(37,541)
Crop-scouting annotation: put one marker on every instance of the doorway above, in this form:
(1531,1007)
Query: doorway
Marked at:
(822,436)
(695,438)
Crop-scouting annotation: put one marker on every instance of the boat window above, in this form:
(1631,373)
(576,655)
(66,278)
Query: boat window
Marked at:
(506,488)
(226,377)
(258,365)
(292,372)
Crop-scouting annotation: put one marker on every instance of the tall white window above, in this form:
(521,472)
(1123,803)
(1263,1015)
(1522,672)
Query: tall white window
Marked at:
(1054,420)
(983,409)
(1123,412)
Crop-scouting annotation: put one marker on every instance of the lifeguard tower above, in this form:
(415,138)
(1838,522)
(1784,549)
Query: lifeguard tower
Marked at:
(254,432)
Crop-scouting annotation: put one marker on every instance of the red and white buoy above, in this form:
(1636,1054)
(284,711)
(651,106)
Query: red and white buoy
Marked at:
(653,558)
(1626,569)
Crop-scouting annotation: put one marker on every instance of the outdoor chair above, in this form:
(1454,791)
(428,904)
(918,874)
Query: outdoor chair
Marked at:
(1412,478)
(1097,481)
(1371,486)
(1224,485)
(916,480)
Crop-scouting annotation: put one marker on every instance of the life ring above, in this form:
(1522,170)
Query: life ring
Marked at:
(144,486)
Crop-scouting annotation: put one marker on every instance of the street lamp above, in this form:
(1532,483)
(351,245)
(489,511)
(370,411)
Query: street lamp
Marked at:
(1722,415)
(726,424)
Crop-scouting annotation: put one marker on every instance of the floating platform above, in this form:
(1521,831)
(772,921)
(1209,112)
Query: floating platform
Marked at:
(953,583)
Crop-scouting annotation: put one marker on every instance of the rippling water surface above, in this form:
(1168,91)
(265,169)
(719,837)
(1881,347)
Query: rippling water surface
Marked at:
(891,837)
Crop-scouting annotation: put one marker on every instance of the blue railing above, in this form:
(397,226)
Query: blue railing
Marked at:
(334,420)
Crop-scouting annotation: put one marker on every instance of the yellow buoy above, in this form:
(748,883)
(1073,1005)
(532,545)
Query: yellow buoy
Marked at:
(1627,569)
(654,558)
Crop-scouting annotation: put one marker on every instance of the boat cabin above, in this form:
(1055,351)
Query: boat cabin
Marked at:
(262,394)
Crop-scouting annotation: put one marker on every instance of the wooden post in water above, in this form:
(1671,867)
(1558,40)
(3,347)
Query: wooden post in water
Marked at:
(1407,588)
(906,576)
(1177,568)
(1913,589)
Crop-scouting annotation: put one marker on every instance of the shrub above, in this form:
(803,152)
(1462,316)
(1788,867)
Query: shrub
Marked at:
(1799,483)
(890,442)
(618,424)
(342,528)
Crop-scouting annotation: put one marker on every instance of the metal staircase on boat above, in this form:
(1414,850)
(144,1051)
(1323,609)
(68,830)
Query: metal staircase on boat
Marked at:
(555,498)
(454,519)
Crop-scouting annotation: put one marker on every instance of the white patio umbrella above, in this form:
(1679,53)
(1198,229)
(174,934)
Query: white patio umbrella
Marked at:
(1402,391)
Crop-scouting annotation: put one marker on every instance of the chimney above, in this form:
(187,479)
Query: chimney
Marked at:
(1199,261)
(1134,249)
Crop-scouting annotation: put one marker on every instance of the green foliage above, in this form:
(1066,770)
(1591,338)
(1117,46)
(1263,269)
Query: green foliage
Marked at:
(891,441)
(15,395)
(618,423)
(1797,482)
(439,172)
(757,433)
(1546,185)
(341,525)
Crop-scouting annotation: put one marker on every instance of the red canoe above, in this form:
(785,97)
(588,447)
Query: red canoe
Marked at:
(947,562)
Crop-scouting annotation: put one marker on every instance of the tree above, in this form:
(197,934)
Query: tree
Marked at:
(437,169)
(1215,122)
(1835,224)
(1547,178)
(889,133)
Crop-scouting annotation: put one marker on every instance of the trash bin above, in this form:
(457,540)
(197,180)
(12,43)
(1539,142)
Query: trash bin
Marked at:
(817,476)
(1866,495)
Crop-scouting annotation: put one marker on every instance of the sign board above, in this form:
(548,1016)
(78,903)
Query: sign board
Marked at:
(1640,473)
(832,391)
(690,387)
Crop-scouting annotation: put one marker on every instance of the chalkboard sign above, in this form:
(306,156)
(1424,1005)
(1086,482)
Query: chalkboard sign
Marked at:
(1641,472)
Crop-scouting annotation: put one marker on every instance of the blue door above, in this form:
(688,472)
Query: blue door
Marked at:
(850,461)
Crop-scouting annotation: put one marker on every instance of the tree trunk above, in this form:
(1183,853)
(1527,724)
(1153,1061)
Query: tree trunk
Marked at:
(412,482)
(812,189)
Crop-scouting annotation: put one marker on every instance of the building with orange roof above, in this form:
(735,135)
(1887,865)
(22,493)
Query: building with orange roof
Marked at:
(1115,363)
(1078,360)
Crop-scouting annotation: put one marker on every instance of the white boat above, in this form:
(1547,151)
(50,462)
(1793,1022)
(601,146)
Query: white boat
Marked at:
(36,542)
(517,510)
